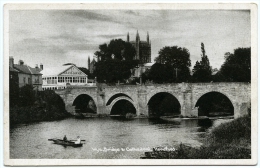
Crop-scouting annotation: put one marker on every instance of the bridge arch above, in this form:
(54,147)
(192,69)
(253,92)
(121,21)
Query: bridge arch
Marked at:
(150,95)
(84,103)
(122,106)
(115,96)
(214,103)
(110,106)
(163,104)
(198,96)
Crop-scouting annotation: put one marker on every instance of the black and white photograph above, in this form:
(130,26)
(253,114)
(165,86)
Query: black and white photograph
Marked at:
(130,84)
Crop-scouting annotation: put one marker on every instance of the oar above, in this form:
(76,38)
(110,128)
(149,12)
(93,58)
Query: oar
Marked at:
(52,139)
(80,140)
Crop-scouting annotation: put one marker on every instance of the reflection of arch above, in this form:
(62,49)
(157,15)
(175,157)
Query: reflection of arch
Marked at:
(214,103)
(115,96)
(84,103)
(120,98)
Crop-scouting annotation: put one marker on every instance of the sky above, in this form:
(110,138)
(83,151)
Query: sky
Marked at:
(56,37)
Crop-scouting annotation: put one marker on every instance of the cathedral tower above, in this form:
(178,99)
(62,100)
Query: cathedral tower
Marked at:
(142,48)
(88,62)
(128,37)
(137,46)
(148,37)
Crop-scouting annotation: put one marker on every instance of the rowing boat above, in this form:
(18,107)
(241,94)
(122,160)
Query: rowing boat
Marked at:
(65,143)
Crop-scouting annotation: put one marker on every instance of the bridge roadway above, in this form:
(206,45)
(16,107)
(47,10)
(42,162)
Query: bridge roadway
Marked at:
(139,95)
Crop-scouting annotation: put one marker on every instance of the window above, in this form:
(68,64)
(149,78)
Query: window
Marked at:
(76,79)
(82,80)
(24,80)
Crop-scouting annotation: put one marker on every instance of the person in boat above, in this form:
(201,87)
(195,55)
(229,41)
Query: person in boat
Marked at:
(65,138)
(78,141)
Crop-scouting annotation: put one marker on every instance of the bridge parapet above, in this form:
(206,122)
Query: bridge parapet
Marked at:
(186,93)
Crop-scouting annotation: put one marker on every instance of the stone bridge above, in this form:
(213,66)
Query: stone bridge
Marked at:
(139,95)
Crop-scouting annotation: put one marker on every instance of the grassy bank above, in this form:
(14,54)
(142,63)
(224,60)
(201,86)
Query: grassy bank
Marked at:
(230,140)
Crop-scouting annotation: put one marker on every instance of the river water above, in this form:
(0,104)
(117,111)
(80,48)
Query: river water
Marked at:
(105,138)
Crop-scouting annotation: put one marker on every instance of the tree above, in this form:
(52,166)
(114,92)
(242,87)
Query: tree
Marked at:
(116,49)
(114,70)
(237,66)
(202,70)
(179,60)
(161,73)
(27,96)
(115,61)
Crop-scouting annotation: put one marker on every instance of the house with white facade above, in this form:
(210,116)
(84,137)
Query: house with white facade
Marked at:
(63,76)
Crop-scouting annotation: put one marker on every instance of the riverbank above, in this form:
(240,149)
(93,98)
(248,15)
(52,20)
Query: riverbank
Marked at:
(231,140)
(21,115)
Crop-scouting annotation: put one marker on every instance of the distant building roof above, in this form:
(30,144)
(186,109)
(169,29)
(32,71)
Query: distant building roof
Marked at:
(26,69)
(144,42)
(214,73)
(149,64)
(12,69)
(55,71)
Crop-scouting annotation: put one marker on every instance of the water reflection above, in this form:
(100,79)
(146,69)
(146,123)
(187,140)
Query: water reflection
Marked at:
(31,141)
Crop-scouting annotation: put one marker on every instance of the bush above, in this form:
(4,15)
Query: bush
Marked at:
(37,106)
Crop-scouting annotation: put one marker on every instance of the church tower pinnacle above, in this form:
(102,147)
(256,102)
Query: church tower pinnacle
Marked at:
(148,37)
(88,62)
(128,37)
(137,37)
(137,45)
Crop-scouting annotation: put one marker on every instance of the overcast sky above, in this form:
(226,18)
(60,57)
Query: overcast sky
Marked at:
(55,37)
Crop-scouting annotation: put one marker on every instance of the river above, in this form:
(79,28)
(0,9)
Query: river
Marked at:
(105,138)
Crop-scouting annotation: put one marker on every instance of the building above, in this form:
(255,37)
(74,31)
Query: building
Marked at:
(60,77)
(26,74)
(91,65)
(13,83)
(138,71)
(142,48)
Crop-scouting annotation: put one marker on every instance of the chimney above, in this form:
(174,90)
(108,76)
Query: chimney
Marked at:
(41,66)
(11,62)
(20,62)
(36,66)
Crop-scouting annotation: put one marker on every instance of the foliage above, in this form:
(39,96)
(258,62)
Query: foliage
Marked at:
(26,96)
(202,70)
(37,106)
(87,72)
(52,101)
(112,71)
(160,73)
(115,61)
(116,49)
(237,66)
(177,59)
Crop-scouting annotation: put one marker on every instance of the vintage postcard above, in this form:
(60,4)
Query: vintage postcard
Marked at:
(130,84)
